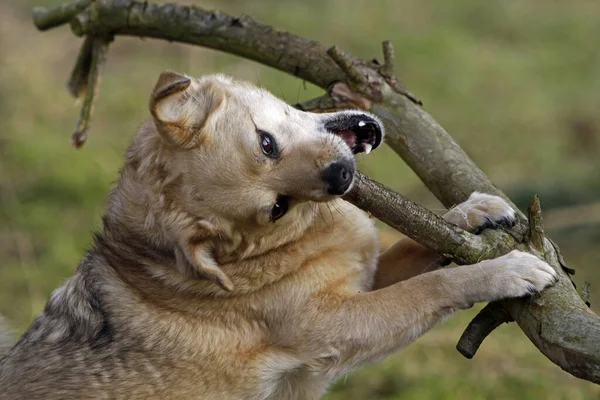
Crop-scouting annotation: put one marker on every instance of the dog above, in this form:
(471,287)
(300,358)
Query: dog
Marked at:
(229,267)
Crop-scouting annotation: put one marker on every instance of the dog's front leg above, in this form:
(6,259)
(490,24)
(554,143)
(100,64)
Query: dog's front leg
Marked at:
(407,258)
(371,325)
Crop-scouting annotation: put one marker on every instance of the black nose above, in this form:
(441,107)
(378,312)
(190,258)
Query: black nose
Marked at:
(338,176)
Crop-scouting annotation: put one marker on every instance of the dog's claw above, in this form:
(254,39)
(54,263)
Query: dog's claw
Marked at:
(507,222)
(532,289)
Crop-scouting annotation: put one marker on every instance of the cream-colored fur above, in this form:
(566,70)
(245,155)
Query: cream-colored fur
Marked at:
(195,290)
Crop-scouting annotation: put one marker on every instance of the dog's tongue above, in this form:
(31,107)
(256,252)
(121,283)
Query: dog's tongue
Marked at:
(347,136)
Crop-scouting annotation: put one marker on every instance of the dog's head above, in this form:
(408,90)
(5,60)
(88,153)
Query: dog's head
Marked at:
(247,158)
(252,156)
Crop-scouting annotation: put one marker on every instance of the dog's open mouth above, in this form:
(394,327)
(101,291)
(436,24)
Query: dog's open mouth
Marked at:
(360,132)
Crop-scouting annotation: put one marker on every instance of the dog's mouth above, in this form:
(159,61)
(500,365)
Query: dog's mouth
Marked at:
(360,132)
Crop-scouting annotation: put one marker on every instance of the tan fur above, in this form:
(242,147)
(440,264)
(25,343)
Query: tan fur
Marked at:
(191,291)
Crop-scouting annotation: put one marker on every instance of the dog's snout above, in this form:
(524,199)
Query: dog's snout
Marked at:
(338,177)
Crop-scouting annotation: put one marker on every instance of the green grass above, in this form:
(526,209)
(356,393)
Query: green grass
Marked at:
(509,80)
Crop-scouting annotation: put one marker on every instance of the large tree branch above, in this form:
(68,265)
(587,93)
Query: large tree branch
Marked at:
(557,321)
(423,226)
(415,136)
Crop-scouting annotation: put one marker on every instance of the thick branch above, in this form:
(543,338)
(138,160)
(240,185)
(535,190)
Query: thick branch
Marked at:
(557,321)
(242,36)
(421,224)
(46,19)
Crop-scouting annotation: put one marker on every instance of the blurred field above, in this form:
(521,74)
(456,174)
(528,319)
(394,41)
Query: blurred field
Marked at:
(517,83)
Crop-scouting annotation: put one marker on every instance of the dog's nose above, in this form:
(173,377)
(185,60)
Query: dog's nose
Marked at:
(338,176)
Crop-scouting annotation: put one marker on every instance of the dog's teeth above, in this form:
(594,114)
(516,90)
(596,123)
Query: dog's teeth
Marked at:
(361,123)
(367,147)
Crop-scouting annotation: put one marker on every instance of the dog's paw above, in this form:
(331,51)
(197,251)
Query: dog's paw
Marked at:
(518,274)
(482,211)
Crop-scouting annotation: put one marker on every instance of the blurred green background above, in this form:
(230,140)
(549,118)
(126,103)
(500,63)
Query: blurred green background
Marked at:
(517,83)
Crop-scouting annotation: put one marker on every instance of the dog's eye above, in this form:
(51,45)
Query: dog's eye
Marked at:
(280,208)
(267,144)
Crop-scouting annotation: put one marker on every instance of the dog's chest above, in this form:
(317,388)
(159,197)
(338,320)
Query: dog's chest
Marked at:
(357,246)
(347,267)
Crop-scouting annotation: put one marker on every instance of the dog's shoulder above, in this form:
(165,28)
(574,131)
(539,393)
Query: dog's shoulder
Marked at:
(74,314)
(73,325)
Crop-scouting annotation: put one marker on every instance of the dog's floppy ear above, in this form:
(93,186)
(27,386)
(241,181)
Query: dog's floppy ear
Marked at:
(181,106)
(194,260)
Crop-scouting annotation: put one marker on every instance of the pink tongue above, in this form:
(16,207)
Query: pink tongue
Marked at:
(348,137)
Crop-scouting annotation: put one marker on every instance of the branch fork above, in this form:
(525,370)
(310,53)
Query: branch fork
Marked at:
(494,314)
(368,80)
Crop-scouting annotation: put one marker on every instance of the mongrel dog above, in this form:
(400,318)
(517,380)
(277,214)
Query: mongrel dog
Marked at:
(228,267)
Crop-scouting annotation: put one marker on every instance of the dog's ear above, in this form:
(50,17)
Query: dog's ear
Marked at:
(194,261)
(181,106)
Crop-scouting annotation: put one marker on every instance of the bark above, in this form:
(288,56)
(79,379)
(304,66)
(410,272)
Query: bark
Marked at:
(85,78)
(421,224)
(557,321)
(481,326)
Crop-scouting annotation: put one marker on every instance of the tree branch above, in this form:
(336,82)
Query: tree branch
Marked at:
(422,225)
(46,19)
(489,318)
(91,57)
(77,83)
(536,228)
(557,321)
